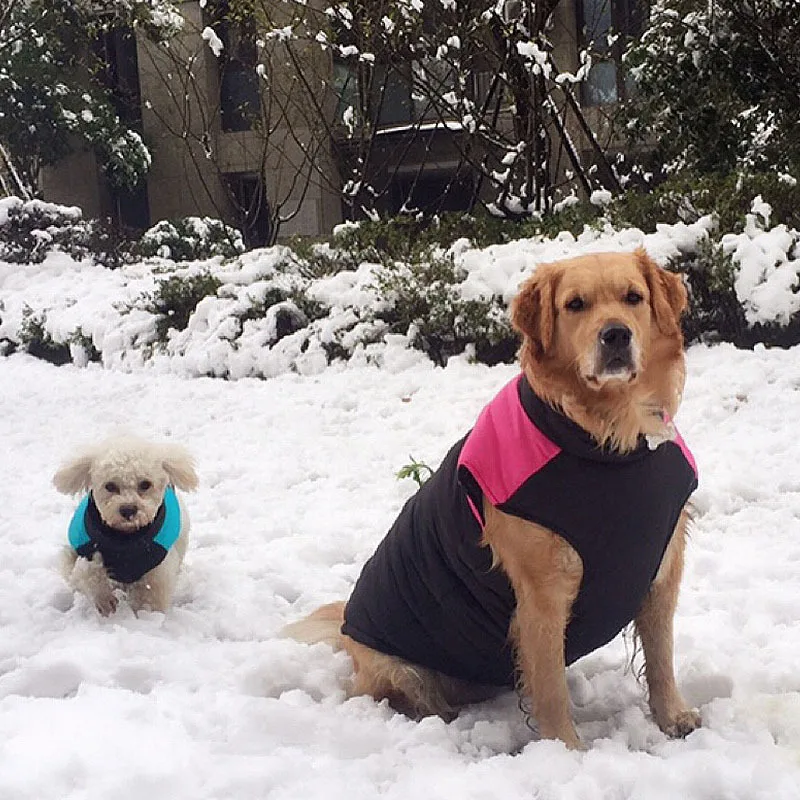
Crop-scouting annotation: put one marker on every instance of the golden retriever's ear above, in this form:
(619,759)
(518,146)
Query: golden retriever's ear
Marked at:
(179,465)
(75,475)
(533,311)
(668,297)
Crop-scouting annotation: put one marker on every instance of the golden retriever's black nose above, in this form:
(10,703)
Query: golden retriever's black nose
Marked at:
(128,511)
(615,336)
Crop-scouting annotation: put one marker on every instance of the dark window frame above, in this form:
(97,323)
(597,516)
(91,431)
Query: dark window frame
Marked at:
(607,83)
(239,83)
(116,49)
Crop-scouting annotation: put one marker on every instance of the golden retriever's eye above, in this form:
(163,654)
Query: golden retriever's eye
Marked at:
(576,304)
(633,298)
(111,488)
(144,486)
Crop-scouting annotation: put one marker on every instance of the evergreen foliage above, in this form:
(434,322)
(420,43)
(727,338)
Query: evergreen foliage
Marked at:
(54,93)
(717,86)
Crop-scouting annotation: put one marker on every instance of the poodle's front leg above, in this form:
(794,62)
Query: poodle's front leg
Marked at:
(90,578)
(154,590)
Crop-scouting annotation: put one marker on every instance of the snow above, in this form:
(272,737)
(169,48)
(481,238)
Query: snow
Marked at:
(107,306)
(73,297)
(600,197)
(214,42)
(768,262)
(297,487)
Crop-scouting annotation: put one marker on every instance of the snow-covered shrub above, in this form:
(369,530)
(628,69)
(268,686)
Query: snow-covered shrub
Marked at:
(35,339)
(270,311)
(176,298)
(190,239)
(745,286)
(713,308)
(412,237)
(688,197)
(30,230)
(424,300)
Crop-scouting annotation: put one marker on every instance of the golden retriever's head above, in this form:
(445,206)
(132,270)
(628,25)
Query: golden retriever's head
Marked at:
(601,336)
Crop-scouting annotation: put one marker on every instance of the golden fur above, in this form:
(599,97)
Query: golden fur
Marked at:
(563,313)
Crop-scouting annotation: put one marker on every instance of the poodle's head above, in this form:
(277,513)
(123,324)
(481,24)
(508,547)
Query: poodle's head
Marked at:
(127,477)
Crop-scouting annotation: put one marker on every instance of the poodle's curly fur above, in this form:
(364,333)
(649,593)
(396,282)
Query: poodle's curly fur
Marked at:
(127,477)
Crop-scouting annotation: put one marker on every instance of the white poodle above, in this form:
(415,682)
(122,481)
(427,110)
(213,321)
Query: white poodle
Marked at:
(130,530)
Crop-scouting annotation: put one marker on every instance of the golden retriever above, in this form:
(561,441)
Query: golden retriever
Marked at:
(521,554)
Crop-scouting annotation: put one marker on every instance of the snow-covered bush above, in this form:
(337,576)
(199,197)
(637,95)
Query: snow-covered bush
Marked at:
(717,85)
(190,239)
(176,298)
(424,300)
(30,230)
(745,286)
(36,340)
(355,300)
(688,197)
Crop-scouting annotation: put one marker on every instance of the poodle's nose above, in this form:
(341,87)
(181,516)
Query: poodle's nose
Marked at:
(128,511)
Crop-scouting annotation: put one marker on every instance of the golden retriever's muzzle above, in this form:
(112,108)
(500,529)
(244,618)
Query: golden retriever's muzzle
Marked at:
(614,355)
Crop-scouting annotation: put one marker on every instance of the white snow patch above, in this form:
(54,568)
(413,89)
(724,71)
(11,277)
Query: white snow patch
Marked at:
(297,488)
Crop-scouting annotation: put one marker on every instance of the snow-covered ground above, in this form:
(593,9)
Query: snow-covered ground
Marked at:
(297,487)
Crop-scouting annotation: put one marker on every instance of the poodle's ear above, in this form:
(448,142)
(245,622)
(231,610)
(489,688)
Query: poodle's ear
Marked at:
(533,311)
(75,475)
(668,297)
(179,465)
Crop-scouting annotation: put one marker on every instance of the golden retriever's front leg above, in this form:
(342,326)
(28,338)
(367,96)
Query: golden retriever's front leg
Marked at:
(538,628)
(654,624)
(545,573)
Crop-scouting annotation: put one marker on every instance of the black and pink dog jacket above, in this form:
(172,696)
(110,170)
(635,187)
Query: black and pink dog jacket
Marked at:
(429,593)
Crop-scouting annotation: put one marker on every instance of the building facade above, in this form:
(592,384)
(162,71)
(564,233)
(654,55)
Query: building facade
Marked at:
(230,137)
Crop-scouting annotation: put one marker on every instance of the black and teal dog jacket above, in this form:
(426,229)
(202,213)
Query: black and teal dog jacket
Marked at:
(126,556)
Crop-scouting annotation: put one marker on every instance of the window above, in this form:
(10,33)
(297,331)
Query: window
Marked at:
(391,96)
(439,79)
(396,97)
(239,91)
(606,26)
(115,49)
(432,191)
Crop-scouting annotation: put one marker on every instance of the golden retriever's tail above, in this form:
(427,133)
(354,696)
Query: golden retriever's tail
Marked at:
(322,625)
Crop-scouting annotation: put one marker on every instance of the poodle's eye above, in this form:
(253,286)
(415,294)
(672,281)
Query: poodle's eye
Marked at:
(576,304)
(145,485)
(633,298)
(111,488)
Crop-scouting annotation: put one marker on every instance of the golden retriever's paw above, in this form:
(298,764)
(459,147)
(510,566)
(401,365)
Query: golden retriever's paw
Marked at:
(577,745)
(684,723)
(106,604)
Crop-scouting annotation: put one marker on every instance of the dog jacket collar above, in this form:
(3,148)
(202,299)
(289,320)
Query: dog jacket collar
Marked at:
(126,556)
(430,595)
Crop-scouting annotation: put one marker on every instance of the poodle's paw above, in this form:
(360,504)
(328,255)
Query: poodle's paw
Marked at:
(106,603)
